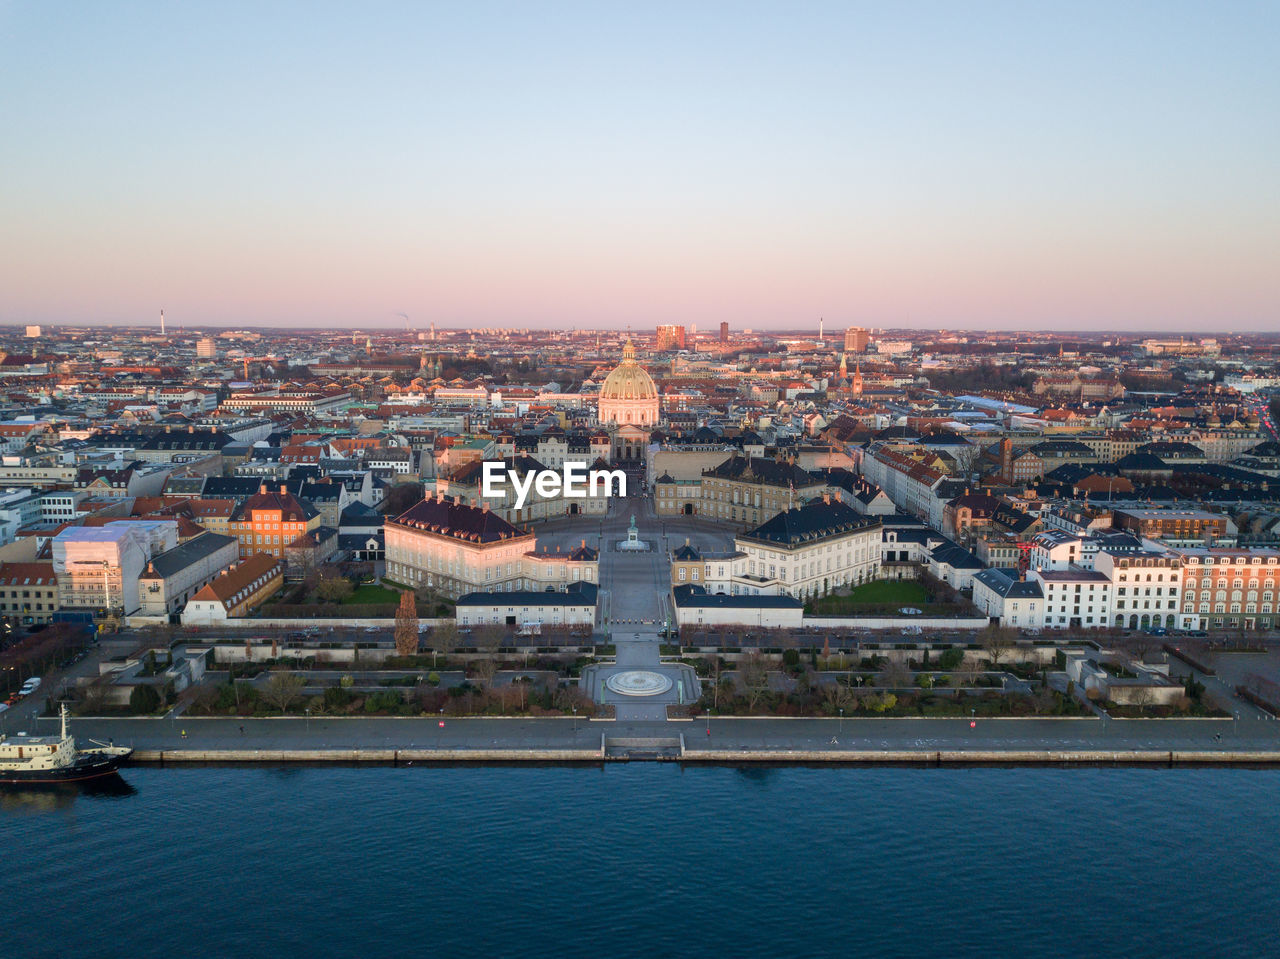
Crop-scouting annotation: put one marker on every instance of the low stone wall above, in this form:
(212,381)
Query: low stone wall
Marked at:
(1010,756)
(250,623)
(849,756)
(395,756)
(895,622)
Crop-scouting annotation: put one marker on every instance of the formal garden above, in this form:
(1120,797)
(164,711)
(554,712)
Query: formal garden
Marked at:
(926,684)
(888,597)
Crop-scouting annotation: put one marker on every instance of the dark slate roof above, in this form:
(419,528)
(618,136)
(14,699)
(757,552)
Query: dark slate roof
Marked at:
(1141,462)
(981,504)
(318,492)
(1005,583)
(160,439)
(1013,519)
(687,596)
(192,551)
(1264,450)
(955,556)
(230,487)
(898,433)
(813,521)
(686,554)
(1058,447)
(1169,448)
(759,469)
(184,485)
(910,534)
(580,594)
(444,517)
(360,516)
(357,541)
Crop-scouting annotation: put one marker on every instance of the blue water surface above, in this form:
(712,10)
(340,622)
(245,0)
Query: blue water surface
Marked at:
(646,860)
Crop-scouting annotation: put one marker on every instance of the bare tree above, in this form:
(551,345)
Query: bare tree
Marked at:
(1044,700)
(713,672)
(753,671)
(997,642)
(407,625)
(490,636)
(93,698)
(485,668)
(966,459)
(837,696)
(333,588)
(444,636)
(894,675)
(283,690)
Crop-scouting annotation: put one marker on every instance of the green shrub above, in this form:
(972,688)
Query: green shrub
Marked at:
(336,698)
(144,699)
(791,657)
(950,658)
(389,701)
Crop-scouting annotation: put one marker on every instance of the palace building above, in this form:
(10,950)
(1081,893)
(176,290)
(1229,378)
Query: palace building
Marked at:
(629,403)
(457,549)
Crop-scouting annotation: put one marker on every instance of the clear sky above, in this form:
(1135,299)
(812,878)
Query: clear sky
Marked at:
(1027,164)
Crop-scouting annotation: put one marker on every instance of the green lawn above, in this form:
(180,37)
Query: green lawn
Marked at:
(903,591)
(877,592)
(370,594)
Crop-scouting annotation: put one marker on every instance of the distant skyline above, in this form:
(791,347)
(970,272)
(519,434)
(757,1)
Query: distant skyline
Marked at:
(1091,167)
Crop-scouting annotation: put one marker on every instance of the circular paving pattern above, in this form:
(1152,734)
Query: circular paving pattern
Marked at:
(638,682)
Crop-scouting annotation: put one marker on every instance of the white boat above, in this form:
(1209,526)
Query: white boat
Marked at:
(56,759)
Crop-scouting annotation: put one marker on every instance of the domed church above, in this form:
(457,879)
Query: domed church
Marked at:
(629,402)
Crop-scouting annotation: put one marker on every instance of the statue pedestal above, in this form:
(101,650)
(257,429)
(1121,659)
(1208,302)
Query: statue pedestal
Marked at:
(633,543)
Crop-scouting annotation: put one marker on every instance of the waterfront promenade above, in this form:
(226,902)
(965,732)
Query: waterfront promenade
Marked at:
(731,739)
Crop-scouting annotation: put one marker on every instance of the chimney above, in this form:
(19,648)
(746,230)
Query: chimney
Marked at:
(826,498)
(686,541)
(283,488)
(191,429)
(262,488)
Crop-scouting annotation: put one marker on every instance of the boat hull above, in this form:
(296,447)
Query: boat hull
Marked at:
(86,767)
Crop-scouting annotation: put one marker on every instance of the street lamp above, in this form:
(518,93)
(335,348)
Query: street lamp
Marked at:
(575,720)
(841,721)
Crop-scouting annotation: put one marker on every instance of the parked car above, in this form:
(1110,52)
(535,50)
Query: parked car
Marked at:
(4,707)
(30,686)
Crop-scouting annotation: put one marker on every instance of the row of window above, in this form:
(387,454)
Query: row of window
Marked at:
(1236,596)
(1236,583)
